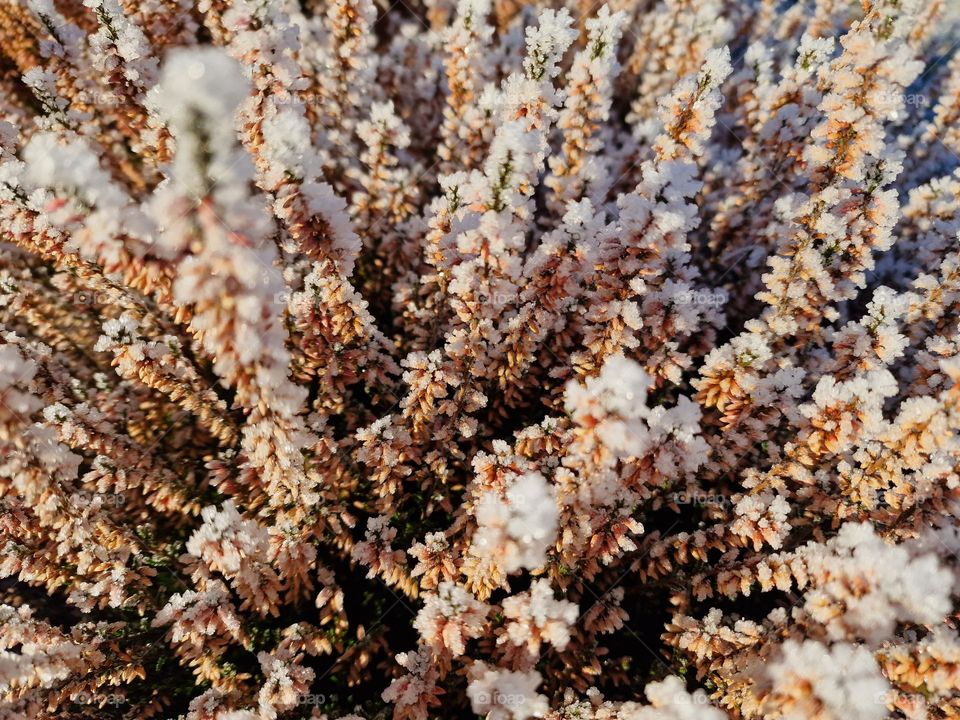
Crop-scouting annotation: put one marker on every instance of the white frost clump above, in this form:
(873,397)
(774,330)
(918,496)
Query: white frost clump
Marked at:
(192,608)
(506,695)
(518,529)
(450,617)
(836,683)
(57,170)
(536,616)
(227,541)
(285,135)
(614,405)
(763,518)
(118,32)
(619,389)
(288,151)
(866,392)
(671,701)
(16,372)
(547,42)
(863,586)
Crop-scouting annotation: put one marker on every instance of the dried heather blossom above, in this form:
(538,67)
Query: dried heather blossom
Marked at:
(515,359)
(535,617)
(449,618)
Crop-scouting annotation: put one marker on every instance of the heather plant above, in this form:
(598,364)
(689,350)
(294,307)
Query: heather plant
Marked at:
(456,358)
